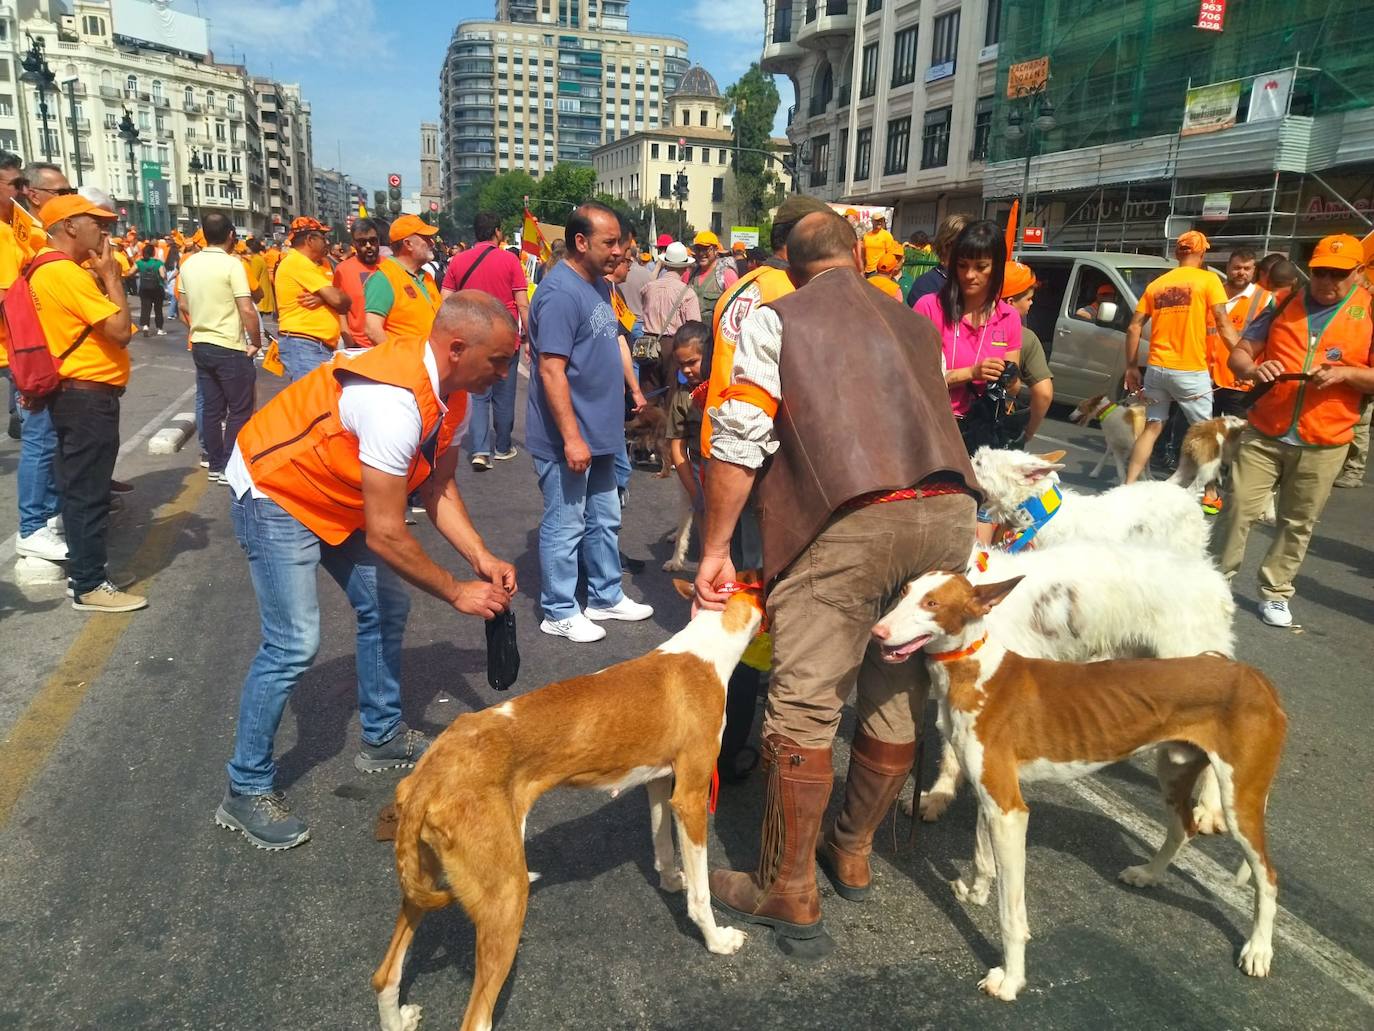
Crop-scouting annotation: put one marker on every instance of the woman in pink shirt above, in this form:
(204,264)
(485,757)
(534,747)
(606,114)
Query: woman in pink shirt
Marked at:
(979,332)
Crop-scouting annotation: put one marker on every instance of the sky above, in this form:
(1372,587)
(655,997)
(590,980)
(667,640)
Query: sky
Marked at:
(370,68)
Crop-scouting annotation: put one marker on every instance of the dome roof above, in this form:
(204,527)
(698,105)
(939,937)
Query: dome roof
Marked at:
(698,82)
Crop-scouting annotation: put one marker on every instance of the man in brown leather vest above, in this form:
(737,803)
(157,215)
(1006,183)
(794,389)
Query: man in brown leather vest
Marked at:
(838,409)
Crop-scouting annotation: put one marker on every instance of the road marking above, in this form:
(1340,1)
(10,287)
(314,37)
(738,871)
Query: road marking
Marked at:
(1318,950)
(1055,440)
(151,427)
(45,719)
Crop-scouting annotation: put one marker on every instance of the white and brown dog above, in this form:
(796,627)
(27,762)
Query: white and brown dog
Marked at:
(1121,424)
(1015,720)
(655,720)
(1207,446)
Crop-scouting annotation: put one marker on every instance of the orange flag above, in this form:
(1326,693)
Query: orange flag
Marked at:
(1011,226)
(532,240)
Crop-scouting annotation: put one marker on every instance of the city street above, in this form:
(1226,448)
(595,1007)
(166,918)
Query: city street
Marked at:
(123,905)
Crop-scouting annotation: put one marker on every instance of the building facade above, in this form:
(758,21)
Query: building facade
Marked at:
(288,162)
(333,197)
(430,189)
(894,100)
(547,82)
(695,139)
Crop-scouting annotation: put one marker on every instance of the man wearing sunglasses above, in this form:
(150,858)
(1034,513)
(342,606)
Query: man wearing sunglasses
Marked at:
(308,302)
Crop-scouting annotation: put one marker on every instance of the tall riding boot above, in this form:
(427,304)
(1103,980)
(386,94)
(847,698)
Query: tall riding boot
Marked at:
(782,894)
(877,771)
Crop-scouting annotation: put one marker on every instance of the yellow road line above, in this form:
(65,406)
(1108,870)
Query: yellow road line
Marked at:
(43,722)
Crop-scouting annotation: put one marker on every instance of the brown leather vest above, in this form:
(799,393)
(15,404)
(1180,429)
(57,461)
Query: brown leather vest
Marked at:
(864,408)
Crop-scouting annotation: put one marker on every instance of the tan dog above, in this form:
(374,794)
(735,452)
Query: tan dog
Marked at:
(1013,719)
(1121,425)
(656,721)
(646,435)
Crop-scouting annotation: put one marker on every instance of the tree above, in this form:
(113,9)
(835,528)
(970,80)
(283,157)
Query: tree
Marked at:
(455,221)
(563,188)
(753,104)
(504,195)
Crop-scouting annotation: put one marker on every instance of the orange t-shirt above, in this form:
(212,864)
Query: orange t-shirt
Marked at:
(10,259)
(350,277)
(1179,303)
(886,284)
(67,300)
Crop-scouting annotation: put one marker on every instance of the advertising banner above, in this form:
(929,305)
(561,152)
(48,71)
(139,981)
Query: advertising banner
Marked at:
(747,235)
(1027,77)
(1210,108)
(1211,15)
(1269,95)
(861,216)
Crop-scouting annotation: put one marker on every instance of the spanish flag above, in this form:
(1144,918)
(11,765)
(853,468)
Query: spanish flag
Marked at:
(362,210)
(532,240)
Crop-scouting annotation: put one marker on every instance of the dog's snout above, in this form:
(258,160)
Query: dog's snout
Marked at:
(881,632)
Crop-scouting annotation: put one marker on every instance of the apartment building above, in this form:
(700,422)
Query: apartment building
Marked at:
(894,99)
(548,81)
(287,154)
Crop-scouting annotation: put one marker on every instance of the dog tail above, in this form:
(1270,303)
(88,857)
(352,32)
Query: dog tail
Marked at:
(417,864)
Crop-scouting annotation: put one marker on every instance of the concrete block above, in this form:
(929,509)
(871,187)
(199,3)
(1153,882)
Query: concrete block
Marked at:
(169,440)
(34,572)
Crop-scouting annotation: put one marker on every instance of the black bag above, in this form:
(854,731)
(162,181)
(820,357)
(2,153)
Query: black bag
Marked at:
(149,279)
(990,421)
(503,651)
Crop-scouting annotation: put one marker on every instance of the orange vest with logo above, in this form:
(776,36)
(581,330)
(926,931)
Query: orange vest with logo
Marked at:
(412,309)
(300,455)
(772,283)
(1218,354)
(1321,418)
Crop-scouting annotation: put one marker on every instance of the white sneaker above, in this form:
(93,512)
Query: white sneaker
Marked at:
(624,609)
(43,543)
(579,629)
(481,462)
(162,332)
(1275,613)
(506,456)
(56,525)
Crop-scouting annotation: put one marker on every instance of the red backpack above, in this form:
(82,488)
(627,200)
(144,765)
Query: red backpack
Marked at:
(33,366)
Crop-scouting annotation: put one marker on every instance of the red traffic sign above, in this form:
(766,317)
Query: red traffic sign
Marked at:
(1033,234)
(434,205)
(123,211)
(393,180)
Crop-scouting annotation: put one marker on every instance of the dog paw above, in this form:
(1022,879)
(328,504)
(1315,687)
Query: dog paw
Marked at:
(1000,986)
(1255,958)
(533,876)
(934,804)
(1209,820)
(674,566)
(975,896)
(671,880)
(726,941)
(1138,877)
(410,1017)
(662,475)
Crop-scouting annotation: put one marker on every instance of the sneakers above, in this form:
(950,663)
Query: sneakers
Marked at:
(624,609)
(162,332)
(120,487)
(217,476)
(579,629)
(1346,480)
(506,456)
(108,598)
(1275,613)
(45,543)
(118,580)
(57,526)
(204,460)
(403,750)
(262,819)
(481,462)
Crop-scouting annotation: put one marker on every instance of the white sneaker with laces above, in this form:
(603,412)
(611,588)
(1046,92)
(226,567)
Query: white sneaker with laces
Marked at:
(579,629)
(58,527)
(625,609)
(44,543)
(162,332)
(1275,613)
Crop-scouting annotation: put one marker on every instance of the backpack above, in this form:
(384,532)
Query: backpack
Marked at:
(149,278)
(33,366)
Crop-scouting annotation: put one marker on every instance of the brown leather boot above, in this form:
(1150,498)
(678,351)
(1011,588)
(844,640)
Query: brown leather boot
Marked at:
(782,894)
(877,771)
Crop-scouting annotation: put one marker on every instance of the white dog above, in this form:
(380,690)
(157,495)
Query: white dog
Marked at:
(1121,425)
(1089,601)
(1018,491)
(682,536)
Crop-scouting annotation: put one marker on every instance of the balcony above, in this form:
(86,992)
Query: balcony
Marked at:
(87,159)
(166,134)
(79,88)
(82,124)
(192,109)
(109,92)
(163,102)
(781,52)
(827,24)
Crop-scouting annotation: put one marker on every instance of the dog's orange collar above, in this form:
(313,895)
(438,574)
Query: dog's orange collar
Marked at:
(962,653)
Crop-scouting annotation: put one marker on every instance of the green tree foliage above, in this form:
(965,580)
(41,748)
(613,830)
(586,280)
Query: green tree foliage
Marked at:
(563,188)
(551,199)
(753,104)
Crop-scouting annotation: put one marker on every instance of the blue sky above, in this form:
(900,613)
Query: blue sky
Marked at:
(370,69)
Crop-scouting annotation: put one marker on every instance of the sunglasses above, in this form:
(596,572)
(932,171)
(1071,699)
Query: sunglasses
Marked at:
(65,191)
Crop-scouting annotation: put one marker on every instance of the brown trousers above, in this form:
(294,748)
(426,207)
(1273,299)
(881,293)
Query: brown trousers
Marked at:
(823,609)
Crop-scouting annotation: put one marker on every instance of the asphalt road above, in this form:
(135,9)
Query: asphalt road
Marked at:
(122,905)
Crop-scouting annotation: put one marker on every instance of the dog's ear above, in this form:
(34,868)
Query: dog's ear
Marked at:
(684,588)
(1053,456)
(1043,466)
(986,597)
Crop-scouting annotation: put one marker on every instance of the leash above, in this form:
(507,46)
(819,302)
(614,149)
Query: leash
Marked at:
(1264,388)
(1041,510)
(960,653)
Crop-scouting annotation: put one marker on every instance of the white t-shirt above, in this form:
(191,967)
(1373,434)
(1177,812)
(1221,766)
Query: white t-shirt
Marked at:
(385,419)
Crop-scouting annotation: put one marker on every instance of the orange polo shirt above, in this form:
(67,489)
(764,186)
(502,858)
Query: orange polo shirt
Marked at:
(67,300)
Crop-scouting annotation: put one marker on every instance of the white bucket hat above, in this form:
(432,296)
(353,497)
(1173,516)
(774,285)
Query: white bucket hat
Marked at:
(676,255)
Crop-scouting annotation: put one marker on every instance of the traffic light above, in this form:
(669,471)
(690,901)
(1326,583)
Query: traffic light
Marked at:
(378,201)
(680,187)
(393,193)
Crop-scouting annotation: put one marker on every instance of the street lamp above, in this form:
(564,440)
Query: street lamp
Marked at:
(231,186)
(37,73)
(197,169)
(1040,111)
(71,85)
(128,132)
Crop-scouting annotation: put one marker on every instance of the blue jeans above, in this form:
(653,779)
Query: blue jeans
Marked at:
(581,520)
(622,467)
(39,499)
(301,355)
(496,405)
(282,558)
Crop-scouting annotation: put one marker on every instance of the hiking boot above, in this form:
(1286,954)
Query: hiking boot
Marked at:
(45,543)
(877,771)
(782,893)
(402,749)
(262,819)
(108,598)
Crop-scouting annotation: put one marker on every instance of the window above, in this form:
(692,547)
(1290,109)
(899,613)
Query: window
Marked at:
(672,152)
(686,153)
(219,131)
(188,96)
(717,190)
(665,187)
(157,89)
(653,151)
(720,157)
(873,6)
(232,103)
(110,121)
(820,160)
(863,153)
(6,105)
(843,156)
(935,138)
(131,85)
(702,118)
(686,118)
(221,163)
(982,128)
(868,75)
(946,43)
(992,32)
(209,100)
(904,57)
(898,143)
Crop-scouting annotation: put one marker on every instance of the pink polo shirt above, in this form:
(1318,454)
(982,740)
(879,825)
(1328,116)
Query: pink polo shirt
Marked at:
(964,346)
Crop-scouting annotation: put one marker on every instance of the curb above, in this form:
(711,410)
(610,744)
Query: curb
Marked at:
(169,440)
(33,572)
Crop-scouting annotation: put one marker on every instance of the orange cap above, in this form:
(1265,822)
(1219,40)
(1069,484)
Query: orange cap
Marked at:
(305,222)
(1017,279)
(1342,252)
(889,263)
(71,204)
(740,246)
(1194,242)
(409,225)
(1368,244)
(198,238)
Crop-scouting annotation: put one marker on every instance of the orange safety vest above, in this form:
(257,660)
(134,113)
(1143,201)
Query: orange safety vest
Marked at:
(1218,354)
(772,283)
(300,455)
(1320,418)
(412,309)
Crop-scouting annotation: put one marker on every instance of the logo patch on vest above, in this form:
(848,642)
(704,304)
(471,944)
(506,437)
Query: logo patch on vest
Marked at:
(1334,354)
(1355,312)
(410,292)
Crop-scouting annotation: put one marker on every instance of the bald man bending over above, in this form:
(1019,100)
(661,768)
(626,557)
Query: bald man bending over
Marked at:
(320,477)
(868,487)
